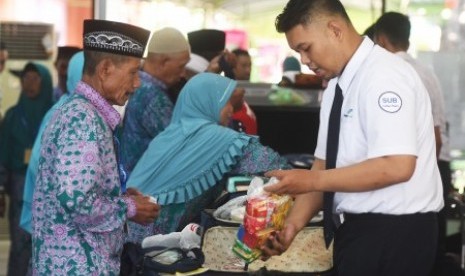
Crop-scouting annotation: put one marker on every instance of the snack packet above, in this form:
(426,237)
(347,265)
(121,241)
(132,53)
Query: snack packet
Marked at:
(265,214)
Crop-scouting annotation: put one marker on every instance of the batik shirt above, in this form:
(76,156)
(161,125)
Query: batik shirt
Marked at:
(78,211)
(148,113)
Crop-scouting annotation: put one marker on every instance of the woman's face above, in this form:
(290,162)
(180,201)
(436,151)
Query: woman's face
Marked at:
(30,83)
(228,109)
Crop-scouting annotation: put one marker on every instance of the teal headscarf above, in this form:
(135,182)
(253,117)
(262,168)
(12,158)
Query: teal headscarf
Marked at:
(75,68)
(194,152)
(22,121)
(36,108)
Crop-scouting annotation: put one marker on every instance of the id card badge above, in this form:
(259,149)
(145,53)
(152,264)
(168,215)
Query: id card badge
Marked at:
(27,155)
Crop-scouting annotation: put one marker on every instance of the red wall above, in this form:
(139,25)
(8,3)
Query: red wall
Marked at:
(77,11)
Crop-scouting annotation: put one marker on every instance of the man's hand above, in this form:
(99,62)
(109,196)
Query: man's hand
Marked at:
(133,191)
(279,242)
(214,65)
(292,182)
(146,211)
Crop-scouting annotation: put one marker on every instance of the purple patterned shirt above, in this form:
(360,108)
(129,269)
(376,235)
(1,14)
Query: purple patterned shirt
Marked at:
(78,211)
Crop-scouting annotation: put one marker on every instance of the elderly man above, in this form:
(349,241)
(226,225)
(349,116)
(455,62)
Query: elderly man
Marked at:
(149,110)
(79,211)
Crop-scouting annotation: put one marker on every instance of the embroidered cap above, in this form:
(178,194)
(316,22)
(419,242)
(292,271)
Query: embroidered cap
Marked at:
(207,43)
(115,37)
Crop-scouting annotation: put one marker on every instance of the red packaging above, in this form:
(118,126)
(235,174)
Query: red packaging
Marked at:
(258,207)
(257,239)
(254,224)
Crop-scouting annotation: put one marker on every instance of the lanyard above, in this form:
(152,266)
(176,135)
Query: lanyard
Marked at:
(123,175)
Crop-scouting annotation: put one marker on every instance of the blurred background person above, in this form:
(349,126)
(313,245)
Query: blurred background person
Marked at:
(17,135)
(3,56)
(243,65)
(61,65)
(208,54)
(210,45)
(291,68)
(243,118)
(76,64)
(3,59)
(392,32)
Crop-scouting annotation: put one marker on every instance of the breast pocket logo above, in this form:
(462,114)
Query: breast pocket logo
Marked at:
(390,102)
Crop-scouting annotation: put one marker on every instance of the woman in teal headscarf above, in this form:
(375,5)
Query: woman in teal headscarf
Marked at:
(17,135)
(75,67)
(184,164)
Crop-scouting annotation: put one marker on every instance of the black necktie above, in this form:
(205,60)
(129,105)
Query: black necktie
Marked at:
(332,144)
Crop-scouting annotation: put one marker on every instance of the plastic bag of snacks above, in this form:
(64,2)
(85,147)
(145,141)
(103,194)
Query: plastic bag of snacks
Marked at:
(265,214)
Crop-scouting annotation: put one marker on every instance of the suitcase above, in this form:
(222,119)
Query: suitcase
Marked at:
(307,255)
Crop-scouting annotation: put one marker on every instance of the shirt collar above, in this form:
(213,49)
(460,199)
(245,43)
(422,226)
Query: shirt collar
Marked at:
(149,78)
(105,109)
(403,55)
(354,63)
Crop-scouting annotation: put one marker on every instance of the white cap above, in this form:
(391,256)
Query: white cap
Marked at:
(197,64)
(168,41)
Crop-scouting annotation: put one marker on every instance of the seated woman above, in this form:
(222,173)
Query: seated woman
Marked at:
(184,165)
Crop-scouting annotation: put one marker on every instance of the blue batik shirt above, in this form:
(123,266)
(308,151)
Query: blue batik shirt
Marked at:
(147,114)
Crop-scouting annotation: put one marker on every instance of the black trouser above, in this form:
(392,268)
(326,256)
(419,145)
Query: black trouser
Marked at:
(446,177)
(386,245)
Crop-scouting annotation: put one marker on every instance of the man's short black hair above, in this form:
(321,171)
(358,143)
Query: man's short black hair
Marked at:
(2,46)
(240,52)
(370,32)
(396,27)
(304,11)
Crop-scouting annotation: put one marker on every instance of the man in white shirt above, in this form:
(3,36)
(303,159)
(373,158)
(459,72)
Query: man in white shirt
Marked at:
(386,183)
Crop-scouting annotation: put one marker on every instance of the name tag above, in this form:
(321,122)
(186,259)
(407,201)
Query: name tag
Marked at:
(27,155)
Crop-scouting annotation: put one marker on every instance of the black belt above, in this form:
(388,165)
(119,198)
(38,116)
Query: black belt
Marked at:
(375,216)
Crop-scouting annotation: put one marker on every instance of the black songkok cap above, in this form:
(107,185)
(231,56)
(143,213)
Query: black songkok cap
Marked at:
(115,37)
(66,52)
(207,43)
